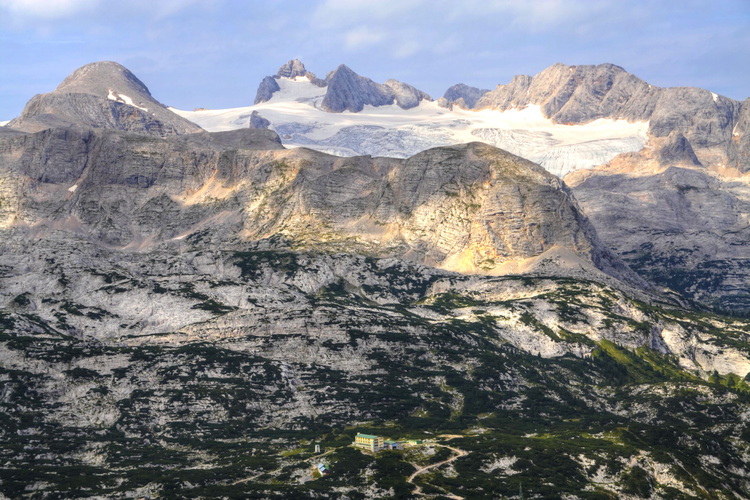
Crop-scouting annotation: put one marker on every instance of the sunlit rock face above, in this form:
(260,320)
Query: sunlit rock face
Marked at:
(575,95)
(471,208)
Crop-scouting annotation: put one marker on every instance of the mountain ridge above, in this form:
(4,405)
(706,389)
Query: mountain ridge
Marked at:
(345,89)
(691,142)
(461,208)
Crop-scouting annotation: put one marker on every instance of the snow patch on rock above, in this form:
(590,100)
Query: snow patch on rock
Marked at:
(114,96)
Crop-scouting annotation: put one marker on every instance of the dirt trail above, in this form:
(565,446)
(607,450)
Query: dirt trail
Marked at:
(311,459)
(421,470)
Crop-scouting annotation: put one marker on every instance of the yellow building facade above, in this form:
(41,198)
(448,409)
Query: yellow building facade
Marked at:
(368,442)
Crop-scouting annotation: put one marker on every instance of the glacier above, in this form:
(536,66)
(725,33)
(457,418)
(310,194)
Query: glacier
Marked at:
(295,114)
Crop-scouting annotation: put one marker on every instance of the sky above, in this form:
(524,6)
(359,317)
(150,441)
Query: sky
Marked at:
(214,53)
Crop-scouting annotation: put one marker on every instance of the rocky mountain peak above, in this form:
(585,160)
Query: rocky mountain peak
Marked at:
(292,69)
(577,94)
(102,95)
(342,71)
(101,78)
(348,91)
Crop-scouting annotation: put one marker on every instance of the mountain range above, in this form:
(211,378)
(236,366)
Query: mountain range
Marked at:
(188,303)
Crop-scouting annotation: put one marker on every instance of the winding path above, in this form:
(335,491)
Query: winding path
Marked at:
(248,479)
(421,470)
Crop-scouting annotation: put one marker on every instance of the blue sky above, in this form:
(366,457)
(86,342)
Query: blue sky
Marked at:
(213,53)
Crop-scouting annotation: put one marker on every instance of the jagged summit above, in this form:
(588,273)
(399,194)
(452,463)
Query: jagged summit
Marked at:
(292,69)
(575,95)
(348,91)
(102,95)
(345,89)
(295,68)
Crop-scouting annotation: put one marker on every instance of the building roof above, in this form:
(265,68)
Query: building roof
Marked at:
(366,436)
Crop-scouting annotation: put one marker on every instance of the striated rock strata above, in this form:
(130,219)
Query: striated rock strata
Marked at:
(472,208)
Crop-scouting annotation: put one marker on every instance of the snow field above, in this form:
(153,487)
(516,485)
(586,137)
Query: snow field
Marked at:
(294,112)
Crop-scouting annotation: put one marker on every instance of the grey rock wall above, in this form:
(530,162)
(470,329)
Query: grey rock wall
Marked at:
(739,147)
(266,89)
(348,91)
(470,207)
(92,96)
(680,227)
(677,150)
(406,96)
(464,95)
(704,120)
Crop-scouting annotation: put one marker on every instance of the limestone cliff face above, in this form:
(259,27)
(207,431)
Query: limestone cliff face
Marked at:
(577,94)
(471,208)
(102,95)
(676,211)
(739,148)
(676,223)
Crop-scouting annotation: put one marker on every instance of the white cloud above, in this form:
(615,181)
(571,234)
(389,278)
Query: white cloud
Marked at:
(530,15)
(50,10)
(361,37)
(47,9)
(167,8)
(337,13)
(450,43)
(406,49)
